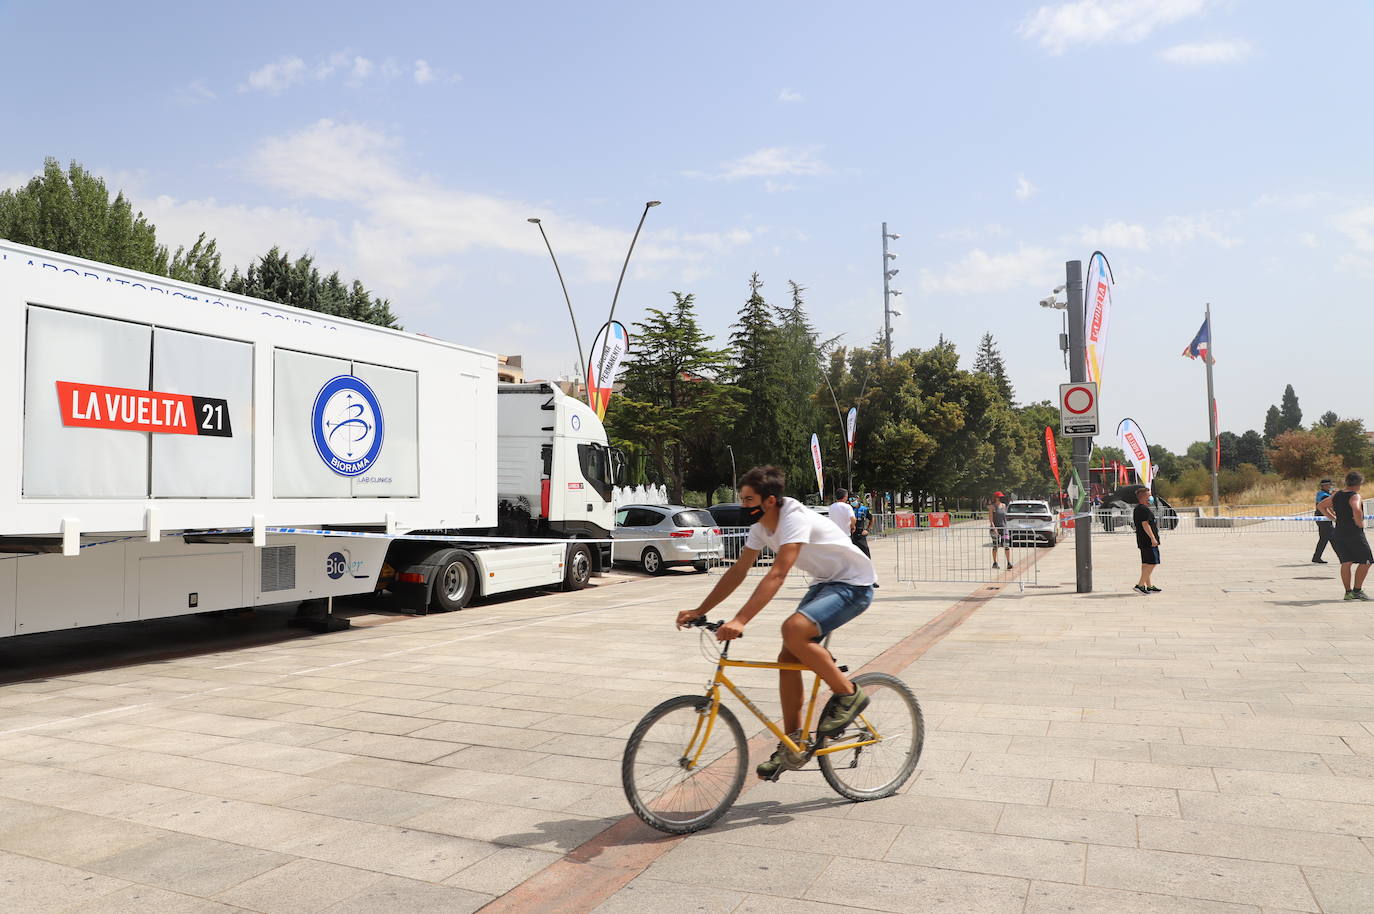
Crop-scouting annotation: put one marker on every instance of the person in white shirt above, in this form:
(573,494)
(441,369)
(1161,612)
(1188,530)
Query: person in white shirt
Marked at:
(841,514)
(844,580)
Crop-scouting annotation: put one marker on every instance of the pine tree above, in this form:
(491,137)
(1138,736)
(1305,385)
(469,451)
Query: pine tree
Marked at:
(1292,415)
(672,390)
(1273,425)
(1328,420)
(989,362)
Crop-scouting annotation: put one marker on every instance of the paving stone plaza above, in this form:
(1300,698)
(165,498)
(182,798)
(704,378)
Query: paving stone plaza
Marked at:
(1207,749)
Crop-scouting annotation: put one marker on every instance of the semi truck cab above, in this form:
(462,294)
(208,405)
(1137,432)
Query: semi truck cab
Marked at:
(555,474)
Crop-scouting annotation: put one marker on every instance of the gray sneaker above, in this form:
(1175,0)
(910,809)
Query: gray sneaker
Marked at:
(841,711)
(782,759)
(1357,595)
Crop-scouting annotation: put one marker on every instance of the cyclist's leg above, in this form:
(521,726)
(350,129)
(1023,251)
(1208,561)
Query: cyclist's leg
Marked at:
(791,692)
(798,633)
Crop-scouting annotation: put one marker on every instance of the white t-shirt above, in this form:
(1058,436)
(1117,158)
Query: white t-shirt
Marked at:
(826,554)
(842,516)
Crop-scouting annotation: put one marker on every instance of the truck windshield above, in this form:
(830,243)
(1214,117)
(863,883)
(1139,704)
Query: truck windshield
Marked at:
(595,461)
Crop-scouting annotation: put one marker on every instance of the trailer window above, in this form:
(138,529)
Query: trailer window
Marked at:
(595,461)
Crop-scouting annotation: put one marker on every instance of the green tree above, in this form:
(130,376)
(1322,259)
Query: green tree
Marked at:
(1228,442)
(1200,451)
(798,415)
(1289,409)
(1250,449)
(1328,419)
(989,362)
(201,265)
(1273,425)
(70,212)
(1167,460)
(671,390)
(1350,443)
(759,379)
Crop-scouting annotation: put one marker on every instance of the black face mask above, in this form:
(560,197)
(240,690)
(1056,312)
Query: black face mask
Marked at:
(754,514)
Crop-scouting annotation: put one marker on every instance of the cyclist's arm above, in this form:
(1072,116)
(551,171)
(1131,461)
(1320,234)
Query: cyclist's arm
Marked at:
(772,581)
(732,578)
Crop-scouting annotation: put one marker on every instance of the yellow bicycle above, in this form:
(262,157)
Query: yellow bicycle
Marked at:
(686,761)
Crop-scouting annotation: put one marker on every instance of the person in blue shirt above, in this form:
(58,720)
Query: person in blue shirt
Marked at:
(1323,524)
(862,518)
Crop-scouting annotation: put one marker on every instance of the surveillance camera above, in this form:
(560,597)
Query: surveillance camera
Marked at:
(1058,289)
(1047,302)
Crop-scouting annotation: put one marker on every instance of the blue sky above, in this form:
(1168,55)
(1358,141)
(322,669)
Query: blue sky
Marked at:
(1216,151)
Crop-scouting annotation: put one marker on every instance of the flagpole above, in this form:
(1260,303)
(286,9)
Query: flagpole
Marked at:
(1212,415)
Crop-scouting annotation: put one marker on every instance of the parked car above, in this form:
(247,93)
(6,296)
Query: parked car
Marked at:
(1033,521)
(658,537)
(734,530)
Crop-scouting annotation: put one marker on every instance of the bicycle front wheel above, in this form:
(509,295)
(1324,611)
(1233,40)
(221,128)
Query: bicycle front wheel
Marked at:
(682,768)
(893,719)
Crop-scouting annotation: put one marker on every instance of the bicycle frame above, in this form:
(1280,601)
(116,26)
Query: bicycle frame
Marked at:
(720,679)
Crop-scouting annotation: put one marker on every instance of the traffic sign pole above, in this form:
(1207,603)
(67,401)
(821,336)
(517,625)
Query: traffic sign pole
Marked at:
(1082,446)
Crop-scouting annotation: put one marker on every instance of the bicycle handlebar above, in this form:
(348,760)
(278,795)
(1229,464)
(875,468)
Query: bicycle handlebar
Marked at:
(709,626)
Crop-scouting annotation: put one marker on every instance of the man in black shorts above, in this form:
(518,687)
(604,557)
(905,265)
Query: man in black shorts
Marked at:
(1346,508)
(1147,538)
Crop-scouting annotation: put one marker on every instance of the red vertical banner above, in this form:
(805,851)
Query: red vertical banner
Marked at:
(1052,451)
(1216,443)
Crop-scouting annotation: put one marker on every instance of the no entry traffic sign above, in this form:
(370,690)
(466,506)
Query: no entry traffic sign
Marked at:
(1078,409)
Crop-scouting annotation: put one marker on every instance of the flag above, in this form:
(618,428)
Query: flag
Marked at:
(1202,343)
(610,347)
(1137,449)
(816,459)
(1097,300)
(853,421)
(1052,451)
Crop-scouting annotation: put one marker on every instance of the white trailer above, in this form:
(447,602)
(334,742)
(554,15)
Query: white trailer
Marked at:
(163,434)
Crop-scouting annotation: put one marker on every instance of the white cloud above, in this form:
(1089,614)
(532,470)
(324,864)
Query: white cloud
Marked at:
(405,232)
(770,162)
(10,180)
(789,95)
(195,93)
(1173,231)
(1061,26)
(1024,188)
(274,78)
(965,234)
(356,70)
(1307,240)
(1211,52)
(1358,226)
(979,271)
(237,230)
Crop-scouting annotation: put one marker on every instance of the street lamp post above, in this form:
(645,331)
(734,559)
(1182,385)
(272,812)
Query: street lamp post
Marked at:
(581,359)
(734,478)
(1082,446)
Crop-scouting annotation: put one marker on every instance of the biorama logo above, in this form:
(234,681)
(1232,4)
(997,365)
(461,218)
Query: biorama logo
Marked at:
(347,426)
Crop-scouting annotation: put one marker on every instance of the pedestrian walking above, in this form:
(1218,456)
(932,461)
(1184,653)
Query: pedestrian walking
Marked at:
(841,514)
(862,517)
(1323,524)
(1147,538)
(997,520)
(1346,509)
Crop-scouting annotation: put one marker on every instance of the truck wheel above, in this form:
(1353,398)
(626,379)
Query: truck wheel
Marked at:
(651,561)
(577,567)
(455,581)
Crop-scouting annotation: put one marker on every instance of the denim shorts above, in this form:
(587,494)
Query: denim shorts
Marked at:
(831,604)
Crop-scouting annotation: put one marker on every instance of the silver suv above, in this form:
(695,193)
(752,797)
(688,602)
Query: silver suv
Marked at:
(658,537)
(1033,521)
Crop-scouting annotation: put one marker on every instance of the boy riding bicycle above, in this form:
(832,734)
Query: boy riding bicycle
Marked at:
(844,579)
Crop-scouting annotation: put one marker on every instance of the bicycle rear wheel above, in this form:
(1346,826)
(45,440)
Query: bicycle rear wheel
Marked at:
(681,770)
(893,717)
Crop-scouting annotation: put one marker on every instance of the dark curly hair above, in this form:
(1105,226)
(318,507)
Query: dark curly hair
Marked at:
(765,481)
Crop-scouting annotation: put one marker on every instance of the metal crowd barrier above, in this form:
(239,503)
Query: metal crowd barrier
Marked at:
(963,552)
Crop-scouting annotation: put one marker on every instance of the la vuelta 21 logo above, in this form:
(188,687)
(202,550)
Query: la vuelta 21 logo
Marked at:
(346,424)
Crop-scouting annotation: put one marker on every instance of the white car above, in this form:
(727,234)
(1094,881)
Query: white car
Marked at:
(658,537)
(1033,521)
